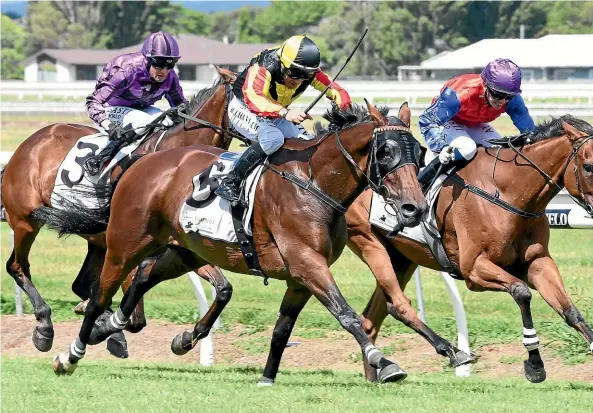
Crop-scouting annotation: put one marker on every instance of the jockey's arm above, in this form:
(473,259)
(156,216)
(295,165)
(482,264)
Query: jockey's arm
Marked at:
(256,92)
(103,91)
(175,94)
(519,114)
(444,108)
(336,92)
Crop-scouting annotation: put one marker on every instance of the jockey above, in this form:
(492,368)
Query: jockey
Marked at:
(128,87)
(457,120)
(262,93)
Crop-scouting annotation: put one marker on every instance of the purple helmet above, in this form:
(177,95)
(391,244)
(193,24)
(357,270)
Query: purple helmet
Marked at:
(504,76)
(161,44)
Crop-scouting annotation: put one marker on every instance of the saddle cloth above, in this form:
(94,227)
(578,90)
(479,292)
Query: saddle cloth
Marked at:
(425,233)
(74,185)
(209,215)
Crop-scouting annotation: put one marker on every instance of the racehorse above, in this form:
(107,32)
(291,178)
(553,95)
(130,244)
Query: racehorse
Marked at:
(495,247)
(29,176)
(299,228)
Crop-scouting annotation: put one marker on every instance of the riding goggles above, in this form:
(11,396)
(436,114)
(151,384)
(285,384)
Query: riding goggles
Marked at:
(162,62)
(499,95)
(298,73)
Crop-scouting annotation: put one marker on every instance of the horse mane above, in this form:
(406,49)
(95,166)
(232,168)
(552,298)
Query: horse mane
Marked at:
(553,128)
(201,96)
(344,118)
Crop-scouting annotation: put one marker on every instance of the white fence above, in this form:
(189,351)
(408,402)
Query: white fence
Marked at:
(544,99)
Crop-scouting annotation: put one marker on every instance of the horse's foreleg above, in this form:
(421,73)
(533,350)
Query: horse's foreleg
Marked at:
(184,342)
(487,275)
(18,267)
(544,276)
(310,269)
(137,318)
(384,268)
(121,258)
(295,299)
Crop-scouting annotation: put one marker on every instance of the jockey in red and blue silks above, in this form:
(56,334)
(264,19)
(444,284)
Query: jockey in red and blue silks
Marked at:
(128,88)
(458,119)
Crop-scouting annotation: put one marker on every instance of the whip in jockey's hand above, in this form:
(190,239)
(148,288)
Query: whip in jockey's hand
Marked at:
(263,92)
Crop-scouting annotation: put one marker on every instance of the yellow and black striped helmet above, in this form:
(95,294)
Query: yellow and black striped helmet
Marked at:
(300,55)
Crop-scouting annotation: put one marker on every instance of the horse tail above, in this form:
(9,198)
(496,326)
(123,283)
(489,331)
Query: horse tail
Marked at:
(77,220)
(72,218)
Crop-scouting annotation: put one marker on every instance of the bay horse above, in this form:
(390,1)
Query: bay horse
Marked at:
(299,230)
(29,176)
(492,248)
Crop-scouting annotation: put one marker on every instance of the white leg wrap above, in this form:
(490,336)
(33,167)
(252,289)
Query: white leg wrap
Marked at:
(118,320)
(591,347)
(530,339)
(371,352)
(77,349)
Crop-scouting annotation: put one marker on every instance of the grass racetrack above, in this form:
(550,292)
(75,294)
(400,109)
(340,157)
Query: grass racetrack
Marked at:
(323,372)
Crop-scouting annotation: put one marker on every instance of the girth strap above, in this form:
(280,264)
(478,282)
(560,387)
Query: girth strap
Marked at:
(246,243)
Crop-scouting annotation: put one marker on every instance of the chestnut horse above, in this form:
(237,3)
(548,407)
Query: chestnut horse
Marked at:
(29,176)
(298,230)
(492,248)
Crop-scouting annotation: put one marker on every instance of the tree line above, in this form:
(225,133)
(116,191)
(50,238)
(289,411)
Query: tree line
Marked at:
(400,32)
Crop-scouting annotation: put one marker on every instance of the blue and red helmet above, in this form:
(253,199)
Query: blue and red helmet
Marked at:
(161,45)
(503,76)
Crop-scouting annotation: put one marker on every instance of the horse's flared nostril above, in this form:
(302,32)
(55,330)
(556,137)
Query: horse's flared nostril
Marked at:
(409,210)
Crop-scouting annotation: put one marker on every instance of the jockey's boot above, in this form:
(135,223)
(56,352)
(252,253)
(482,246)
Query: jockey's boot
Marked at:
(230,187)
(94,164)
(428,174)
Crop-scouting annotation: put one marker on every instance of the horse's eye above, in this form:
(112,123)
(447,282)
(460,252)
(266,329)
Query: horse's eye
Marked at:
(588,167)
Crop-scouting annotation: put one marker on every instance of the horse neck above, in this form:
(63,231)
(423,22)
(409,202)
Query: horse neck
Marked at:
(532,191)
(191,133)
(333,173)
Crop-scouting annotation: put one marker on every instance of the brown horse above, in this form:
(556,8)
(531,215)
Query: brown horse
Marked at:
(491,247)
(298,230)
(29,176)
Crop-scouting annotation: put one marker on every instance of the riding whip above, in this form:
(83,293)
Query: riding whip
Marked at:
(338,74)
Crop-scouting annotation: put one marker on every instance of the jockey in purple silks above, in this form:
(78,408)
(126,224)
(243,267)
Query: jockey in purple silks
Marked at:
(128,87)
(458,119)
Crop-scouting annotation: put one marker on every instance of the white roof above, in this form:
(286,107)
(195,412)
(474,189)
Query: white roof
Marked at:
(547,51)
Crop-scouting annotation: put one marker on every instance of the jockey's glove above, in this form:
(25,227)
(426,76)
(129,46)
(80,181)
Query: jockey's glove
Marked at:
(115,132)
(446,155)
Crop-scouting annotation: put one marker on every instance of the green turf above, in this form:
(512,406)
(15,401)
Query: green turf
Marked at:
(120,386)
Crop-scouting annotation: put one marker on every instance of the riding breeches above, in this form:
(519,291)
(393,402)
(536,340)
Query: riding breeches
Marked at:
(465,139)
(270,133)
(137,118)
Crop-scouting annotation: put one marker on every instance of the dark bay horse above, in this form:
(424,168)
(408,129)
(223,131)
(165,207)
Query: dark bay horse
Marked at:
(29,176)
(298,232)
(492,248)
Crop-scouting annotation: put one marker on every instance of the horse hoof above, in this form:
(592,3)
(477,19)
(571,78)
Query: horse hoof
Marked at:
(117,345)
(181,343)
(42,342)
(265,382)
(461,358)
(81,307)
(534,374)
(62,365)
(391,373)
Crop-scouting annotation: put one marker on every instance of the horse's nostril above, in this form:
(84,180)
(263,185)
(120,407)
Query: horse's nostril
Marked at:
(409,210)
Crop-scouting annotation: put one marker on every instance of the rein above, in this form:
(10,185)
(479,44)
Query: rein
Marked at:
(321,195)
(575,150)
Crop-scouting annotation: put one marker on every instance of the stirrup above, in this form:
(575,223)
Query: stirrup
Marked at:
(229,192)
(91,167)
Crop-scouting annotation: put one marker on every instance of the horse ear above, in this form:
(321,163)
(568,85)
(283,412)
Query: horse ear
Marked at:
(572,131)
(378,119)
(405,114)
(228,76)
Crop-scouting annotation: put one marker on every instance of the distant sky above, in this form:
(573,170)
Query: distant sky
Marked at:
(20,7)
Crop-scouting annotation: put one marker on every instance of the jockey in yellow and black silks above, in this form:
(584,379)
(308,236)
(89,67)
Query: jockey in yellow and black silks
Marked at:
(262,93)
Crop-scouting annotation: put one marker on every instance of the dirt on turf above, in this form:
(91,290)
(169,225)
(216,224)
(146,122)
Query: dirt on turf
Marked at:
(237,346)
